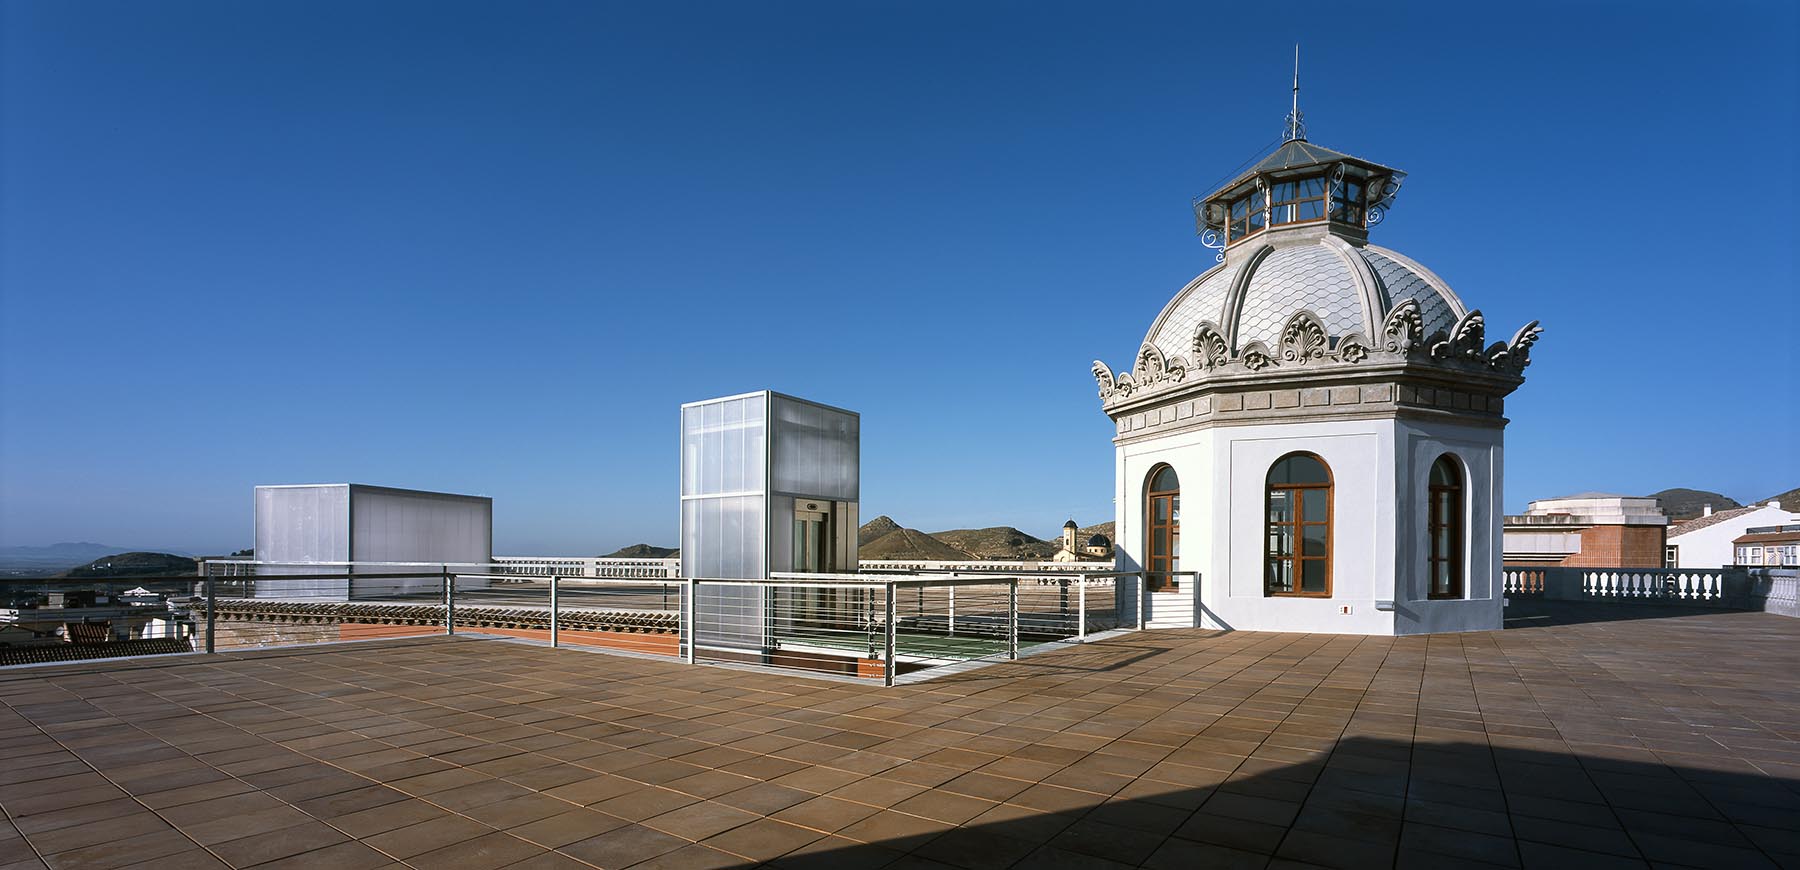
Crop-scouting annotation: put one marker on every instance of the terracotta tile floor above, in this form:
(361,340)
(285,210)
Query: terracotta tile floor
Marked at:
(1672,740)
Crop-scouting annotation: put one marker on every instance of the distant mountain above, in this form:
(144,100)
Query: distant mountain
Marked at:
(137,565)
(998,542)
(909,544)
(643,551)
(57,557)
(1686,504)
(875,529)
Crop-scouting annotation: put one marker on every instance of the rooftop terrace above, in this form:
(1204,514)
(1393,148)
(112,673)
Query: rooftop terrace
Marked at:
(1654,736)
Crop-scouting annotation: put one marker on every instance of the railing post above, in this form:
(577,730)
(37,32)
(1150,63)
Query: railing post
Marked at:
(449,601)
(690,594)
(553,621)
(1081,607)
(952,610)
(211,610)
(888,667)
(1012,618)
(1143,592)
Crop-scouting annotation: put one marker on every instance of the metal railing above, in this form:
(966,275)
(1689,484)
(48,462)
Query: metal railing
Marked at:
(864,625)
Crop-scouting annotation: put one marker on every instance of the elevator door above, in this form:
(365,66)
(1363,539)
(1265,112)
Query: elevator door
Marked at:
(813,608)
(812,542)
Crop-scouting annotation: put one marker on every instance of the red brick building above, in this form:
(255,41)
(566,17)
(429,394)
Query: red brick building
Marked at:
(1587,530)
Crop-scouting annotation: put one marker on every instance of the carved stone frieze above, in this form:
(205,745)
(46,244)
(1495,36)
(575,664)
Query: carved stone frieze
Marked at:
(1305,343)
(1256,357)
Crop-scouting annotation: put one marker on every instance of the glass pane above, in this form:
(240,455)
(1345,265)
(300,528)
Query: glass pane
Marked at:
(1280,576)
(1165,480)
(1441,580)
(1281,541)
(1311,210)
(1315,505)
(1159,541)
(1313,541)
(1443,473)
(1312,575)
(1280,506)
(1299,468)
(1159,509)
(1312,187)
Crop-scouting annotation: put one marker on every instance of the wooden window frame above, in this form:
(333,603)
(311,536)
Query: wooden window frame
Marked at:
(1170,560)
(1298,526)
(1256,208)
(1434,521)
(1278,207)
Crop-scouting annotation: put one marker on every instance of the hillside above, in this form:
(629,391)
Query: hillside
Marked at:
(137,565)
(876,529)
(1082,534)
(997,542)
(909,544)
(56,557)
(643,551)
(1685,504)
(1790,500)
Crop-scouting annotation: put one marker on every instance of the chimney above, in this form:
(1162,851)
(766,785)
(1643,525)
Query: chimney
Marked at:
(1706,511)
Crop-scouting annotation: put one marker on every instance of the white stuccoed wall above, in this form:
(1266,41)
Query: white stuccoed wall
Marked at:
(1378,537)
(1711,547)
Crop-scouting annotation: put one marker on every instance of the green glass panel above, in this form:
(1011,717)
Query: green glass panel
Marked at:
(1313,541)
(1315,506)
(1299,468)
(1312,575)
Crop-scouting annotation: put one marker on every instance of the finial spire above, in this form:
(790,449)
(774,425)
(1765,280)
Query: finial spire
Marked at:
(1296,124)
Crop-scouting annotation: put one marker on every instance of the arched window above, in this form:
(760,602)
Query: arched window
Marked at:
(1162,529)
(1445,528)
(1299,527)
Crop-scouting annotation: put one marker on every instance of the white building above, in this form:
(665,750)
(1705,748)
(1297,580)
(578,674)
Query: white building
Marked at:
(1706,541)
(1330,410)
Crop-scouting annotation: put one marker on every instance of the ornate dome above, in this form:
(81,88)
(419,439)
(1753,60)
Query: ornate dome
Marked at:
(1351,288)
(1299,289)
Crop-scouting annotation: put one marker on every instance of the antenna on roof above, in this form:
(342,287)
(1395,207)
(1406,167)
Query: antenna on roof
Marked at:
(1296,123)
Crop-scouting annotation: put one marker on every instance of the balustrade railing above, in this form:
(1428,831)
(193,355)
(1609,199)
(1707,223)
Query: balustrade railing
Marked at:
(1706,588)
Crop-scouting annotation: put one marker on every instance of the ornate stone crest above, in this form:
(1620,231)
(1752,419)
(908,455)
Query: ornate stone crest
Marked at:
(1303,339)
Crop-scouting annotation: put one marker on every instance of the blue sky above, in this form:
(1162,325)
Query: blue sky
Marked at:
(490,247)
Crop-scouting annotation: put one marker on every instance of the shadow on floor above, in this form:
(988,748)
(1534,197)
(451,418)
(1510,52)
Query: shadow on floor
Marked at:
(1537,612)
(1368,802)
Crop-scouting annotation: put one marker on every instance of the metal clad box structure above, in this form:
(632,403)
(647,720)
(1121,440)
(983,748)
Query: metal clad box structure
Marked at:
(769,482)
(348,522)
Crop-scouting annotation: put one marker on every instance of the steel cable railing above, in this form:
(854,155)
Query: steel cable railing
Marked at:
(860,625)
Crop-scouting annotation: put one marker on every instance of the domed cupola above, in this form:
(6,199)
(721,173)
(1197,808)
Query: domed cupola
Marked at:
(1300,293)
